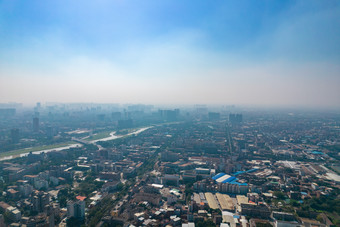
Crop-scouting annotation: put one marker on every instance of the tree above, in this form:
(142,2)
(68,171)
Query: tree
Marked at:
(207,223)
(74,221)
(279,195)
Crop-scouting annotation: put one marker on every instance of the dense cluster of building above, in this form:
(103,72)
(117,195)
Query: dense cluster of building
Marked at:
(197,168)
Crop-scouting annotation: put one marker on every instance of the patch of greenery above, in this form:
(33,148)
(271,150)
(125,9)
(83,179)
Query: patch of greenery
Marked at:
(99,135)
(88,185)
(279,195)
(207,223)
(32,149)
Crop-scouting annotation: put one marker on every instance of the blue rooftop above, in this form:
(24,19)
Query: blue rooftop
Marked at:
(218,176)
(252,170)
(229,179)
(317,152)
(238,172)
(238,183)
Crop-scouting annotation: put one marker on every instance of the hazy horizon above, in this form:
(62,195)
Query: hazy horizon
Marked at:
(258,53)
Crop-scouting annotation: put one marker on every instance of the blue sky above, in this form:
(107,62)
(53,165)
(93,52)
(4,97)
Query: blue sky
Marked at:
(167,52)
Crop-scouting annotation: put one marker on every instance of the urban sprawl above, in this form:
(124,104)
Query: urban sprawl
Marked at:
(141,165)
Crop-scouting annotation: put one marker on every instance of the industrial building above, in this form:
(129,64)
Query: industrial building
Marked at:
(225,201)
(211,200)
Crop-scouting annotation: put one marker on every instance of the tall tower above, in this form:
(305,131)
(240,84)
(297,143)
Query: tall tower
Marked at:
(35,124)
(2,221)
(15,135)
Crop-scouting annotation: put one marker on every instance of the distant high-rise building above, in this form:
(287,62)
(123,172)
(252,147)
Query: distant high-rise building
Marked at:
(214,116)
(177,112)
(235,118)
(76,208)
(39,200)
(170,115)
(116,116)
(37,108)
(201,109)
(35,124)
(15,135)
(49,131)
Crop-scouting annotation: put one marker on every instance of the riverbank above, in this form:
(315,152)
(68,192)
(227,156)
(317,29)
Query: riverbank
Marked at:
(19,152)
(58,147)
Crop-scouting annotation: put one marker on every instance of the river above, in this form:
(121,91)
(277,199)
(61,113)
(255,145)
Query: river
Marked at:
(111,137)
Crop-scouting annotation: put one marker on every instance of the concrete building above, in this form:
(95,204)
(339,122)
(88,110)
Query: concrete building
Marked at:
(190,224)
(25,190)
(13,214)
(168,156)
(35,124)
(39,200)
(213,116)
(76,208)
(226,202)
(15,135)
(211,200)
(2,221)
(253,210)
(283,216)
(241,199)
(170,180)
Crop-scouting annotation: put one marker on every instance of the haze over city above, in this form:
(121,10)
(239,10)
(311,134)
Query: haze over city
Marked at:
(125,113)
(265,53)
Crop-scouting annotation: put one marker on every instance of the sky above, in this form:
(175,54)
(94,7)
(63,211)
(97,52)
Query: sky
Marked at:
(264,53)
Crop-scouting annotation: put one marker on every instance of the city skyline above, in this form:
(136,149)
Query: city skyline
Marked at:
(283,53)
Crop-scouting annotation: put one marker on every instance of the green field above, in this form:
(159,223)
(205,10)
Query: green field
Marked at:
(99,135)
(32,149)
(104,134)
